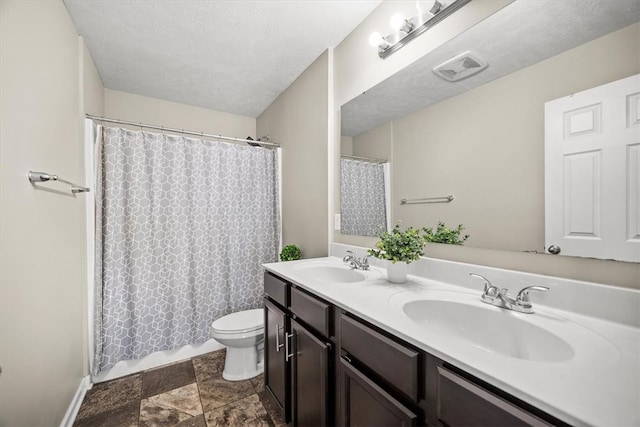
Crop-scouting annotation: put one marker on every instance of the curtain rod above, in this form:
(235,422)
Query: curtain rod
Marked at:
(182,131)
(366,159)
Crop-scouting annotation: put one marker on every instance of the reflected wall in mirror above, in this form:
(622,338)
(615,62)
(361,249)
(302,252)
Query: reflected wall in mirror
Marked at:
(482,139)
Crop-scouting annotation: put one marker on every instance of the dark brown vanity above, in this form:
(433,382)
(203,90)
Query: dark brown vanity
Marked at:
(326,366)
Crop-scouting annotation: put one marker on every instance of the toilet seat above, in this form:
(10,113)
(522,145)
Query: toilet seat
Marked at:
(242,322)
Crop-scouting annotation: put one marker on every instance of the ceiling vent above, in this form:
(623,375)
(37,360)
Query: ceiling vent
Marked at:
(460,67)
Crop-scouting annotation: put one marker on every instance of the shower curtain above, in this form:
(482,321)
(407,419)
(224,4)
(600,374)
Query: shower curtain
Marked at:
(363,198)
(182,228)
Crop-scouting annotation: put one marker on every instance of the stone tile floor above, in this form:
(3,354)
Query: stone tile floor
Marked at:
(184,394)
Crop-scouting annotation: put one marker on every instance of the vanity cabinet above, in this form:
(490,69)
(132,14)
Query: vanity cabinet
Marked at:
(385,381)
(325,365)
(298,353)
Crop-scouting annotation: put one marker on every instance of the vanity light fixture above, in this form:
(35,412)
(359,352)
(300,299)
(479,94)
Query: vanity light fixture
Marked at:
(430,12)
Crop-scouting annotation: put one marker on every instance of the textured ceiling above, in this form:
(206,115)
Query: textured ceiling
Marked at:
(521,34)
(232,56)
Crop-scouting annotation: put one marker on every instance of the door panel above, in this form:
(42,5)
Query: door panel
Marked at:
(364,403)
(310,378)
(592,176)
(463,403)
(276,375)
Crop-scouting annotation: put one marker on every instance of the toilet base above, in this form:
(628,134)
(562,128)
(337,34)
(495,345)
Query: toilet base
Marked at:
(241,363)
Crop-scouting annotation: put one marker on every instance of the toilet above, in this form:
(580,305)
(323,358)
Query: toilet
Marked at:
(243,334)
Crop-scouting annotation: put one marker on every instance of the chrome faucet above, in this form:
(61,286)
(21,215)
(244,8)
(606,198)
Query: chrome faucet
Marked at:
(351,259)
(501,298)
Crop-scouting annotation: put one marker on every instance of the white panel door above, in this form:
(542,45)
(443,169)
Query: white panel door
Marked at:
(592,172)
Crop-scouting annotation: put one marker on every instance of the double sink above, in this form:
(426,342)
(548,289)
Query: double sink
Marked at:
(461,317)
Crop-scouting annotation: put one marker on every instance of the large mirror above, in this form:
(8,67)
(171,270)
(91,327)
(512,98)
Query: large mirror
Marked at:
(481,139)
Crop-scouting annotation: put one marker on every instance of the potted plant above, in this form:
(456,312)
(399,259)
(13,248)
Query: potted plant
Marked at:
(399,249)
(290,253)
(446,235)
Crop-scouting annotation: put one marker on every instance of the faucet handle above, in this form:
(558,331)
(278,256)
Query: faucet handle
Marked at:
(348,257)
(365,262)
(490,291)
(522,299)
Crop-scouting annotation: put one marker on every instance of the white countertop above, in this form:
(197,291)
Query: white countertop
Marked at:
(599,386)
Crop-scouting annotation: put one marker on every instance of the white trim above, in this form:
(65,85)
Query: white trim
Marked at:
(89,181)
(76,402)
(333,138)
(386,167)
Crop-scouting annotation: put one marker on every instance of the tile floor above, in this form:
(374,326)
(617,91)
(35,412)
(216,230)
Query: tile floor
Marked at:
(184,394)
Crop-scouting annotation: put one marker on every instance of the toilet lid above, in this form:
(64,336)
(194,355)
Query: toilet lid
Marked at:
(242,321)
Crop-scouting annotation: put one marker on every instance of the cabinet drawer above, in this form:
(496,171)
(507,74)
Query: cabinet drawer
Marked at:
(394,362)
(276,288)
(312,311)
(463,403)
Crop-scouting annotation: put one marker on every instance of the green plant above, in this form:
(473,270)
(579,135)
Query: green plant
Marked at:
(444,234)
(290,253)
(404,246)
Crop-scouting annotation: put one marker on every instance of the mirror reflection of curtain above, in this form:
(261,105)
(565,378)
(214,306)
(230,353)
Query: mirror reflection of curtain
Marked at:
(363,198)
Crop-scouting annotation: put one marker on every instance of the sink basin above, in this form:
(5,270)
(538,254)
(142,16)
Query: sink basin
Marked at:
(329,273)
(492,329)
(459,319)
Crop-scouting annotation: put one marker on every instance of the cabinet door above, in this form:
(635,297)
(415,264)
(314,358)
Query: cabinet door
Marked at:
(463,403)
(364,403)
(310,378)
(276,372)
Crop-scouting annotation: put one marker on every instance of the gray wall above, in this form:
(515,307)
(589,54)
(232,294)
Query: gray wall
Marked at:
(42,251)
(142,109)
(298,120)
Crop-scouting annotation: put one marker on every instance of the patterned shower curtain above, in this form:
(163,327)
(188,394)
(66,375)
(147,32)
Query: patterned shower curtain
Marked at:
(363,210)
(183,226)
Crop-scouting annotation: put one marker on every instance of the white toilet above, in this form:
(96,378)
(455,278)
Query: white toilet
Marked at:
(243,334)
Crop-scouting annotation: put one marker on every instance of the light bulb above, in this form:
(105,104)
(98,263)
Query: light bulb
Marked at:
(397,21)
(376,40)
(428,6)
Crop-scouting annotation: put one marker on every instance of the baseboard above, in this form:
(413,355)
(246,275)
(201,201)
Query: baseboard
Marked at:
(74,407)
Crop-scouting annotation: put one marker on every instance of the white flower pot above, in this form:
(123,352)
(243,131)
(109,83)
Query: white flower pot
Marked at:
(397,273)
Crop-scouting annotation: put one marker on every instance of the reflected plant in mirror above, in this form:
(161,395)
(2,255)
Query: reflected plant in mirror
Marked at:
(446,235)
